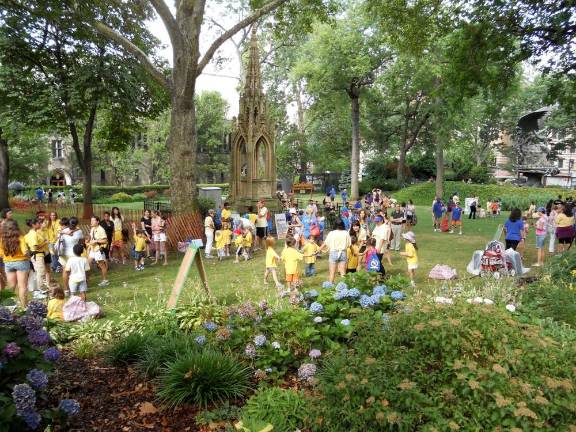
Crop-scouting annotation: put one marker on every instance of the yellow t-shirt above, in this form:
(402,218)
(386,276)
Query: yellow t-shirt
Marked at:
(310,249)
(226,236)
(248,240)
(36,241)
(411,254)
(55,309)
(220,240)
(252,217)
(271,257)
(139,243)
(226,214)
(563,221)
(52,231)
(239,241)
(291,256)
(353,252)
(20,254)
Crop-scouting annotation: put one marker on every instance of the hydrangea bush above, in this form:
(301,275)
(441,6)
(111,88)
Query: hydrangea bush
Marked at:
(26,360)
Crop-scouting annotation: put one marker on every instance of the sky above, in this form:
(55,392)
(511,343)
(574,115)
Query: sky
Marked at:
(223,78)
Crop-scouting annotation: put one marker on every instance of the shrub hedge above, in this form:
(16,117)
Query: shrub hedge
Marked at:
(511,196)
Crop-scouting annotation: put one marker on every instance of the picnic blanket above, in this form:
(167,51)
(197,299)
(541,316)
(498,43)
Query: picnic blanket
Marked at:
(442,272)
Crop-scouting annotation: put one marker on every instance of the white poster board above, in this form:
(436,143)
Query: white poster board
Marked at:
(281,225)
(467,202)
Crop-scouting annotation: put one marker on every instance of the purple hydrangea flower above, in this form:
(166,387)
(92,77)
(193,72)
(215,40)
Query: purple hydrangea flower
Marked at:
(210,326)
(276,345)
(39,337)
(260,340)
(200,340)
(31,418)
(52,354)
(316,308)
(36,308)
(11,350)
(6,316)
(315,353)
(327,284)
(306,371)
(37,379)
(269,312)
(31,322)
(341,286)
(70,407)
(24,398)
(284,293)
(263,304)
(250,351)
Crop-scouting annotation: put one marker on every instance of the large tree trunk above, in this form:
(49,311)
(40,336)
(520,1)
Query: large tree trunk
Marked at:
(400,172)
(4,172)
(88,210)
(355,161)
(182,147)
(439,167)
(303,160)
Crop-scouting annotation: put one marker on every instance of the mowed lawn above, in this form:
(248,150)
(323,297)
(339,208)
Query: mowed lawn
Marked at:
(232,283)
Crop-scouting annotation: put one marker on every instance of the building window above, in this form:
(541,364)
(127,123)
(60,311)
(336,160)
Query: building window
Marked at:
(560,163)
(57,149)
(102,177)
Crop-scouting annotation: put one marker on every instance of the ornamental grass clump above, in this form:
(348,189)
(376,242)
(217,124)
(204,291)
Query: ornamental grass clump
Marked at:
(203,378)
(450,367)
(128,349)
(163,350)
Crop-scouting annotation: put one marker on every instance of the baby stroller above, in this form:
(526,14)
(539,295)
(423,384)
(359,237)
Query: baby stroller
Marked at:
(494,261)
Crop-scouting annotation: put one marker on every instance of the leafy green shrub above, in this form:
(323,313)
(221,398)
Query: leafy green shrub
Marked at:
(138,197)
(205,204)
(120,197)
(460,367)
(162,350)
(224,413)
(203,378)
(150,194)
(285,409)
(128,349)
(85,349)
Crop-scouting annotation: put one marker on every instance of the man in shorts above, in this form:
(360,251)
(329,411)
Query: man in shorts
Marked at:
(97,242)
(261,223)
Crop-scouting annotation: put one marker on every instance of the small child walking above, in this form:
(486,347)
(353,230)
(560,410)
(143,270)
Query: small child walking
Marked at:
(220,242)
(309,251)
(243,243)
(353,253)
(226,237)
(272,259)
(456,218)
(411,255)
(291,256)
(139,248)
(75,272)
(55,304)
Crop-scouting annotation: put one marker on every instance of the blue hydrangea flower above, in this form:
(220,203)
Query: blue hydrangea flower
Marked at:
(339,295)
(250,351)
(385,317)
(24,398)
(312,294)
(39,337)
(327,285)
(31,322)
(268,370)
(210,326)
(37,308)
(37,379)
(353,293)
(318,319)
(380,290)
(341,286)
(315,353)
(316,308)
(345,322)
(52,354)
(276,345)
(70,407)
(6,316)
(260,340)
(366,301)
(200,340)
(375,298)
(397,295)
(31,418)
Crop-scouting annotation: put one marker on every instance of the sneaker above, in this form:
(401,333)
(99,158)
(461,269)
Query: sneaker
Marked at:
(451,231)
(104,283)
(460,233)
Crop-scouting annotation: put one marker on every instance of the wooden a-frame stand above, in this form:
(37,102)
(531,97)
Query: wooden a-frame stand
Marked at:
(192,256)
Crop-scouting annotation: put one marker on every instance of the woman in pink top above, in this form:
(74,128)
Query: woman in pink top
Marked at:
(158,225)
(541,232)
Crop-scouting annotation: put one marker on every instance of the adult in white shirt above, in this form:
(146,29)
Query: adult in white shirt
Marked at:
(70,237)
(209,232)
(382,232)
(337,243)
(261,223)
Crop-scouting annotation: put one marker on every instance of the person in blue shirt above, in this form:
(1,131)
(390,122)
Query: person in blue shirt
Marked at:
(344,195)
(456,218)
(357,205)
(332,193)
(513,229)
(345,216)
(40,194)
(437,212)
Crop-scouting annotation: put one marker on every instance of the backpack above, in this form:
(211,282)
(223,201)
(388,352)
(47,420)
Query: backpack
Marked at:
(373,264)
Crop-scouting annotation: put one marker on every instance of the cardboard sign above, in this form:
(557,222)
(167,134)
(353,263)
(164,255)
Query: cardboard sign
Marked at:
(467,202)
(192,256)
(281,225)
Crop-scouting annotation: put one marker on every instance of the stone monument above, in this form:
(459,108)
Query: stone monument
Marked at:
(253,161)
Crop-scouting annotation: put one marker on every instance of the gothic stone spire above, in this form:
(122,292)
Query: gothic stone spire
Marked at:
(253,84)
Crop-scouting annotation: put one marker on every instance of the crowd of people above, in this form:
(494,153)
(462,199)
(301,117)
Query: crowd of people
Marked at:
(58,245)
(58,197)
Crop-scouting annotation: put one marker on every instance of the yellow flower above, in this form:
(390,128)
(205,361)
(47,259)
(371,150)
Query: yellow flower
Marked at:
(457,365)
(435,323)
(448,394)
(474,385)
(453,426)
(384,403)
(454,322)
(525,412)
(349,377)
(346,398)
(499,369)
(540,400)
(419,327)
(370,400)
(380,416)
(370,360)
(341,385)
(406,385)
(393,417)
(364,381)
(502,401)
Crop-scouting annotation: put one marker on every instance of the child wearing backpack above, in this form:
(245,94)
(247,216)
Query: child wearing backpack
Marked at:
(411,255)
(371,258)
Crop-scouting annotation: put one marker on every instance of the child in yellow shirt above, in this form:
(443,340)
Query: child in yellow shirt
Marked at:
(55,304)
(291,256)
(226,237)
(272,259)
(243,245)
(139,248)
(220,242)
(411,254)
(353,254)
(309,251)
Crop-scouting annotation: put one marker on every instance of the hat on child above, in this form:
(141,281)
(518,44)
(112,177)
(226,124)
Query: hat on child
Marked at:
(541,210)
(378,219)
(409,236)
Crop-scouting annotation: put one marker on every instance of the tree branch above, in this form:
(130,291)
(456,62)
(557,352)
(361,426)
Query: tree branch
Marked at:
(235,29)
(143,59)
(169,22)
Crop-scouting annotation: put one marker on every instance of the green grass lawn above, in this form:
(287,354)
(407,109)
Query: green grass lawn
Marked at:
(230,283)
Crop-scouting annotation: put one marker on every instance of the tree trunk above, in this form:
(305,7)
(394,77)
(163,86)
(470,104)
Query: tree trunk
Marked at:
(4,172)
(400,173)
(355,161)
(303,162)
(88,210)
(182,146)
(439,167)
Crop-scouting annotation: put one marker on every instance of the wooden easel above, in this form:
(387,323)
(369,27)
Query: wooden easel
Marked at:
(193,255)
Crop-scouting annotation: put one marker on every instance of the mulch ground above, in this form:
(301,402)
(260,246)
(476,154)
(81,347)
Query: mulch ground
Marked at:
(115,399)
